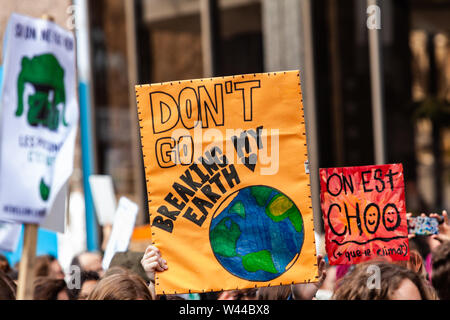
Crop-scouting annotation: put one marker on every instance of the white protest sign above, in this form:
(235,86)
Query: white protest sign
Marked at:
(122,230)
(56,218)
(9,235)
(102,190)
(39,117)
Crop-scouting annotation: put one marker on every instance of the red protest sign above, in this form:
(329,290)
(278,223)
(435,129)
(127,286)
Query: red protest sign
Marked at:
(364,213)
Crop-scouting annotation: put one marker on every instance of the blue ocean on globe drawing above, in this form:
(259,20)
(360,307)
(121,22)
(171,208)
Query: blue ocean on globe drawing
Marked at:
(258,235)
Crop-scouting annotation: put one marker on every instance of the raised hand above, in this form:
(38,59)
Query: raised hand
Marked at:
(153,262)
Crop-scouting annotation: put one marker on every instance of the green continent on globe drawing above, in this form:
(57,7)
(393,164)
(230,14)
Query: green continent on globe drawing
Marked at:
(224,239)
(281,207)
(238,208)
(258,234)
(260,260)
(261,194)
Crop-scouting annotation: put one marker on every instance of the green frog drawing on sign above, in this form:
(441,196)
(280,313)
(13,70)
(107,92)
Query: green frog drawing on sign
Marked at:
(46,76)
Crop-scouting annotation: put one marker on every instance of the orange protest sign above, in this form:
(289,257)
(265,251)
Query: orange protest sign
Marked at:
(229,191)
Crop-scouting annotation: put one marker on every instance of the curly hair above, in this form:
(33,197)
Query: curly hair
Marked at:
(354,285)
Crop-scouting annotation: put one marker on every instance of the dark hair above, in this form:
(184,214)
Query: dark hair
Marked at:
(121,286)
(46,288)
(13,274)
(420,244)
(440,276)
(84,276)
(172,297)
(245,294)
(7,287)
(131,261)
(76,261)
(354,285)
(273,293)
(42,265)
(4,264)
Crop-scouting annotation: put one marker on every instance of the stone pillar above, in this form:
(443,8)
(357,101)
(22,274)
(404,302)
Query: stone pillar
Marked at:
(288,45)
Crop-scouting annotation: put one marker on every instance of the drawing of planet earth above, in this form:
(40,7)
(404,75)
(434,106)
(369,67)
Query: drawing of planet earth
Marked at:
(257,233)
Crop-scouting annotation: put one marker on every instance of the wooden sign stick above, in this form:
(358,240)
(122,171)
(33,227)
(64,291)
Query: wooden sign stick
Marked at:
(26,269)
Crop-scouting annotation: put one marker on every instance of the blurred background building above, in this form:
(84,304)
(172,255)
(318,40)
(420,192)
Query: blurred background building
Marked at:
(147,41)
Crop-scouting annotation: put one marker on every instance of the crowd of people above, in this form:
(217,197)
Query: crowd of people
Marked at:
(131,276)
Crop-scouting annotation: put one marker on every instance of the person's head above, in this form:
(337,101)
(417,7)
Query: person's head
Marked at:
(7,287)
(273,293)
(415,263)
(121,286)
(121,264)
(4,264)
(394,283)
(13,274)
(441,270)
(115,270)
(420,244)
(89,261)
(130,261)
(170,297)
(243,294)
(48,266)
(326,290)
(87,282)
(46,288)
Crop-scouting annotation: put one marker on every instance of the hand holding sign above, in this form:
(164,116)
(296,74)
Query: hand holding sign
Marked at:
(152,262)
(444,227)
